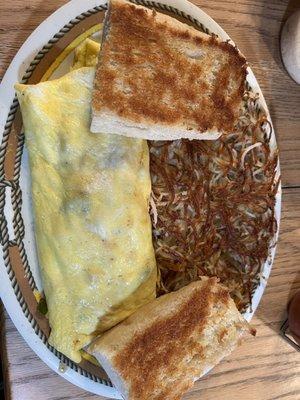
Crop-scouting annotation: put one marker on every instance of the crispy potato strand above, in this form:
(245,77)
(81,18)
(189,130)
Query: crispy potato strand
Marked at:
(215,205)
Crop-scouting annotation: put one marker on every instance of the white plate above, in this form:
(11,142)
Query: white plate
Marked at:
(9,289)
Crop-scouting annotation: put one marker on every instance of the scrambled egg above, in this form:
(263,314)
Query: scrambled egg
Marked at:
(86,54)
(90,196)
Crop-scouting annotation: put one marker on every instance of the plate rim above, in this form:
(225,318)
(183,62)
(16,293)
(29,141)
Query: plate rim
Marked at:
(41,35)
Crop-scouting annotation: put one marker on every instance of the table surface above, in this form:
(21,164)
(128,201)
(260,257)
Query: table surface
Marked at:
(264,368)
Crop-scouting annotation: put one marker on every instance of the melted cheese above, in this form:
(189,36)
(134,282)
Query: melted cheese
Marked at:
(91,197)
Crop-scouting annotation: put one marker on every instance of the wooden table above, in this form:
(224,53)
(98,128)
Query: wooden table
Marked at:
(264,368)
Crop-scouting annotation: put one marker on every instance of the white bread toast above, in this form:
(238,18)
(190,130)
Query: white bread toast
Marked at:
(158,78)
(159,351)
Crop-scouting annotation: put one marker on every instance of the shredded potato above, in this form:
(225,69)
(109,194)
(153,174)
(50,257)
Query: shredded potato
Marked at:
(214,206)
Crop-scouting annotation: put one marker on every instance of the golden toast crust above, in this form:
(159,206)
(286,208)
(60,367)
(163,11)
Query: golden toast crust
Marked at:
(154,69)
(160,350)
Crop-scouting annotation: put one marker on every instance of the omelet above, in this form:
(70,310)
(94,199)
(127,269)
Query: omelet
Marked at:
(91,207)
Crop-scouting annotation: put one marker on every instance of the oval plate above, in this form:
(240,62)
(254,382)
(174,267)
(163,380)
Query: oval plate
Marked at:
(19,272)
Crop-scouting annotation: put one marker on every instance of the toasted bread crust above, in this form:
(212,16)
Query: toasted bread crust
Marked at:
(156,70)
(167,336)
(160,350)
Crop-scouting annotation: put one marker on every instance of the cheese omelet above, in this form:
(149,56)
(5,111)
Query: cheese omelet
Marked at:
(90,198)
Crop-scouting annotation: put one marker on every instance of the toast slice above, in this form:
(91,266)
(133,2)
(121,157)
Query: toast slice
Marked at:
(160,350)
(158,78)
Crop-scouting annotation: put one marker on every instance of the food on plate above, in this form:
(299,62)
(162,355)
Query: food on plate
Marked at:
(217,218)
(161,349)
(92,224)
(86,54)
(214,207)
(212,201)
(158,78)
